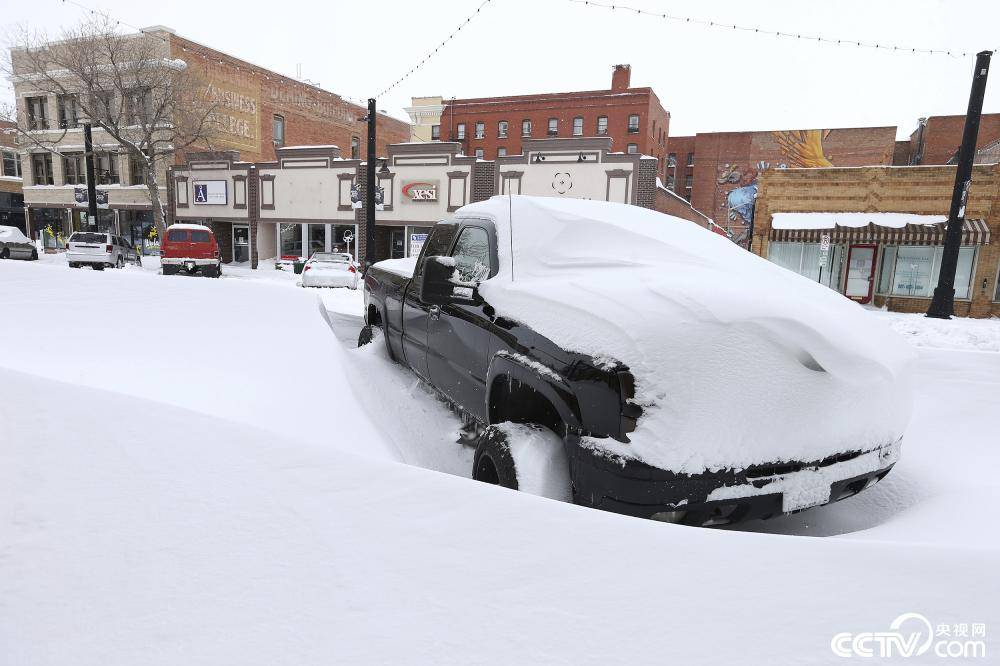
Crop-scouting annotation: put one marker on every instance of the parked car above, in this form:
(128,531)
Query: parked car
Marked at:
(15,245)
(640,364)
(330,269)
(100,250)
(190,248)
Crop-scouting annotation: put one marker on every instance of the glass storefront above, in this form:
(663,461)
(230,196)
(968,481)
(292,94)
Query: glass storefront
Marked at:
(51,226)
(803,258)
(912,270)
(289,241)
(301,240)
(343,238)
(317,238)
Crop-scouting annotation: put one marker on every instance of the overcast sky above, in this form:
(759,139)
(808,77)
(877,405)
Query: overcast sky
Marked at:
(709,79)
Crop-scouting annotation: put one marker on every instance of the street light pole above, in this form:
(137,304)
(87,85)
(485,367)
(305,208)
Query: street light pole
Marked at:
(943,303)
(88,151)
(370,187)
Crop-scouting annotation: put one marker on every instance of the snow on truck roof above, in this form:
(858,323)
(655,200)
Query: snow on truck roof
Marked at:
(694,316)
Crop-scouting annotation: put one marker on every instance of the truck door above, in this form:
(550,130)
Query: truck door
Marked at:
(458,334)
(415,312)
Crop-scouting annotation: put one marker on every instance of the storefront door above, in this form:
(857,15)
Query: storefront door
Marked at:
(860,273)
(241,243)
(397,248)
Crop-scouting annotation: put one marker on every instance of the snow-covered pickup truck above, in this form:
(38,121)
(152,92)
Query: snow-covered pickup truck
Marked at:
(640,364)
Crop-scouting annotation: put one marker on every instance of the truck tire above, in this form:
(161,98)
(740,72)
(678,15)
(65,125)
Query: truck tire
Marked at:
(523,457)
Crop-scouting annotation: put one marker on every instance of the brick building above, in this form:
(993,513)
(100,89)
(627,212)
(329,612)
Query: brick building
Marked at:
(11,192)
(937,138)
(259,110)
(718,171)
(492,127)
(885,228)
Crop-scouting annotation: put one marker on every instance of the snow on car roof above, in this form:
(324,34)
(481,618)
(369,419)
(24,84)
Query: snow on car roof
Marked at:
(187,225)
(695,318)
(12,233)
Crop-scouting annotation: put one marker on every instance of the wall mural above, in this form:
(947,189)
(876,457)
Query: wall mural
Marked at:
(796,148)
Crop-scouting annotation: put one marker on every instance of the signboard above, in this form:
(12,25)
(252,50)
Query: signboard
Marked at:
(824,249)
(80,195)
(417,243)
(356,201)
(235,115)
(420,190)
(211,192)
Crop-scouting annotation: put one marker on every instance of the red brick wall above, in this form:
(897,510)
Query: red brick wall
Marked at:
(681,146)
(654,121)
(943,135)
(671,204)
(312,116)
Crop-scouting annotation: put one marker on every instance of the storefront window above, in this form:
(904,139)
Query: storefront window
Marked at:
(344,238)
(291,240)
(915,270)
(885,276)
(317,238)
(803,258)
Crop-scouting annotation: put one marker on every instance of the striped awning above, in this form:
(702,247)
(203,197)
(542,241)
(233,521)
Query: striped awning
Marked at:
(974,232)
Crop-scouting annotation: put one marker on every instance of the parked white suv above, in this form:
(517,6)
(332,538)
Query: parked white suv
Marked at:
(99,250)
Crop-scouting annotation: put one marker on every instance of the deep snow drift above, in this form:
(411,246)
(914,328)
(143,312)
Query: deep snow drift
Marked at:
(736,359)
(194,530)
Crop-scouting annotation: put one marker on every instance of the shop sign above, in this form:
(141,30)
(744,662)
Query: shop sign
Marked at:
(80,195)
(212,192)
(420,190)
(417,243)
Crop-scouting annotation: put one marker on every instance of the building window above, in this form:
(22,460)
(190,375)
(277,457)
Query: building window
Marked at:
(480,130)
(553,127)
(11,164)
(41,169)
(690,161)
(672,160)
(502,129)
(670,182)
(38,113)
(688,181)
(278,130)
(74,169)
(479,153)
(501,152)
(435,132)
(106,168)
(632,149)
(602,125)
(355,148)
(525,128)
(912,270)
(460,132)
(803,258)
(137,167)
(68,116)
(578,126)
(633,123)
(140,106)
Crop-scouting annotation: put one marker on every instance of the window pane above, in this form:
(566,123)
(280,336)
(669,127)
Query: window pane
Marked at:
(472,255)
(577,126)
(177,235)
(198,236)
(888,261)
(602,125)
(437,243)
(317,238)
(810,261)
(963,274)
(913,274)
(291,240)
(525,128)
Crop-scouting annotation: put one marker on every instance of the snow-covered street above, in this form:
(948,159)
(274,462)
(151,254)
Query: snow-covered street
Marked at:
(207,471)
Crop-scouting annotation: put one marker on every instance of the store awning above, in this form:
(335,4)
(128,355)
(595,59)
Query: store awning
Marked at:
(888,228)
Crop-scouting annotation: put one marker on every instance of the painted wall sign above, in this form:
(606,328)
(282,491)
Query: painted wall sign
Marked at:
(420,190)
(212,192)
(235,114)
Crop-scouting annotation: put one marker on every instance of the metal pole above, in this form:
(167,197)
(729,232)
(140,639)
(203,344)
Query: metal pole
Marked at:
(943,303)
(88,148)
(370,160)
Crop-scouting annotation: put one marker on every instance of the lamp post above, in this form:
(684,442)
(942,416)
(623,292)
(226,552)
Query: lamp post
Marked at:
(943,303)
(88,151)
(370,187)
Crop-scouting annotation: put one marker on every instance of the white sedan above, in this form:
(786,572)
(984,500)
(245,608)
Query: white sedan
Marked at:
(330,269)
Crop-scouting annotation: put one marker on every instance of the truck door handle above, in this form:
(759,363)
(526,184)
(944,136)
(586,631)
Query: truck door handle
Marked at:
(435,312)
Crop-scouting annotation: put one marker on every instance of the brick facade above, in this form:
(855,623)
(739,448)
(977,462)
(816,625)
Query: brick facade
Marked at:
(937,138)
(616,103)
(918,190)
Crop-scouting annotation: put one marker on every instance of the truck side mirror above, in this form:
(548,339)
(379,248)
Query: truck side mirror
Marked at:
(436,287)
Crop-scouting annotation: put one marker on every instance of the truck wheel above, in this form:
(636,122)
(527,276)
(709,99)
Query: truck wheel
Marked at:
(523,457)
(367,335)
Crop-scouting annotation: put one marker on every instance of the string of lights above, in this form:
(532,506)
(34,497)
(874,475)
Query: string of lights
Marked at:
(213,56)
(722,25)
(431,54)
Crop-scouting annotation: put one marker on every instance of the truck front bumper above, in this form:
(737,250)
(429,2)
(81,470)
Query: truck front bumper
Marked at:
(726,496)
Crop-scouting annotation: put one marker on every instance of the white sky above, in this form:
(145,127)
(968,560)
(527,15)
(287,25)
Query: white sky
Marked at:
(709,79)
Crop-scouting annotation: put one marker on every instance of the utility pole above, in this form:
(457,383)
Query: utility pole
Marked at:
(88,151)
(370,187)
(943,303)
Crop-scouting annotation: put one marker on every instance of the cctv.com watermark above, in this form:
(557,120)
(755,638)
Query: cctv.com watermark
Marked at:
(913,635)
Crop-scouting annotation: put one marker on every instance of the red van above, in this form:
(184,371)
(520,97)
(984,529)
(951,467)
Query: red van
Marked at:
(190,248)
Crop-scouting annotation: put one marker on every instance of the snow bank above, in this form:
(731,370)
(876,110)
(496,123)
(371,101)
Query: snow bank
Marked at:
(736,360)
(959,333)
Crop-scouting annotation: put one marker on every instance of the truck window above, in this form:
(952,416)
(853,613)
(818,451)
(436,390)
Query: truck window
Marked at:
(472,254)
(437,243)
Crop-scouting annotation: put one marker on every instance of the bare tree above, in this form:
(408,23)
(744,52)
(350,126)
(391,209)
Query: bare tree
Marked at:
(151,104)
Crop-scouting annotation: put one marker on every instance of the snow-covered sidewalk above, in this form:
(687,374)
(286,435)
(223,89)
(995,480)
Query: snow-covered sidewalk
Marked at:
(234,495)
